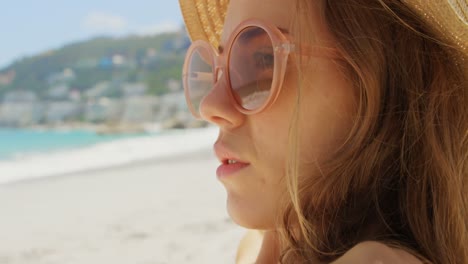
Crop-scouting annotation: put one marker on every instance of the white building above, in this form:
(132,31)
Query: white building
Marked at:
(20,114)
(103,110)
(140,109)
(61,111)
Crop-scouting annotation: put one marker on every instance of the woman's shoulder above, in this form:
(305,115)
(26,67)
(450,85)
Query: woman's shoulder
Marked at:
(372,252)
(368,252)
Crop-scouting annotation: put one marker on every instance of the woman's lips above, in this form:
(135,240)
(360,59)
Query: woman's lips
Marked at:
(230,161)
(227,169)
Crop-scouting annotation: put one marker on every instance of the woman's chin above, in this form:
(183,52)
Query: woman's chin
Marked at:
(248,215)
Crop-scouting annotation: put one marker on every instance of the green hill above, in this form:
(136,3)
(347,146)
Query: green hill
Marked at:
(153,60)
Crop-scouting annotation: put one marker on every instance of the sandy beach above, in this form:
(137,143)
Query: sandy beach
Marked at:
(160,210)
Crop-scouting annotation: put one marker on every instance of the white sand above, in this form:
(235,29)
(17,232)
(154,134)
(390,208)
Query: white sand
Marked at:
(169,210)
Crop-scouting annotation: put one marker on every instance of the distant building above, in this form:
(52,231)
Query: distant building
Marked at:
(20,96)
(20,108)
(105,63)
(134,89)
(100,89)
(74,95)
(118,60)
(103,110)
(174,85)
(62,111)
(7,77)
(21,114)
(63,77)
(140,109)
(151,52)
(58,92)
(170,105)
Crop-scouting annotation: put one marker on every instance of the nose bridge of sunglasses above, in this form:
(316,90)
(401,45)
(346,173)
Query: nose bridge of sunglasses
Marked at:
(218,70)
(218,73)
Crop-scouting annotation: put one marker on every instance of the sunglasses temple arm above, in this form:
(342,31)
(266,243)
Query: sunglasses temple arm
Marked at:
(200,76)
(318,51)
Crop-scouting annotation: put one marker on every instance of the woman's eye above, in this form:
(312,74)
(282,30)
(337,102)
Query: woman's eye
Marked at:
(263,60)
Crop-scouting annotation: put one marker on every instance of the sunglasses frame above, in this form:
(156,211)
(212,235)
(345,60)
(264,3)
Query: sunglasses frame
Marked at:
(282,47)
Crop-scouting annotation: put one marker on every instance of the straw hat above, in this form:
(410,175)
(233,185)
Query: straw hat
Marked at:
(204,19)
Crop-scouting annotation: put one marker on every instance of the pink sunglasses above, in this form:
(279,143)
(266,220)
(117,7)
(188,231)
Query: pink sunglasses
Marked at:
(254,66)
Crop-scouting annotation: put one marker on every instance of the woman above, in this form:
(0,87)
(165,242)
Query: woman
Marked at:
(343,124)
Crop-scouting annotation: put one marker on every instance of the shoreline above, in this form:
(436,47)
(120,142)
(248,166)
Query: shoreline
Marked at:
(102,155)
(118,128)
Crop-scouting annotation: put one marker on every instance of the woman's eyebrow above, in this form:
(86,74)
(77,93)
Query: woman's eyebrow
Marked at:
(251,34)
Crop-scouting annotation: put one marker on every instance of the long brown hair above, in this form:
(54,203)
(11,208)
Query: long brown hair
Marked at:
(401,177)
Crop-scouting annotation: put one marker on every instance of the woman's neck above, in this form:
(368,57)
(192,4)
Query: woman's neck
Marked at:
(269,251)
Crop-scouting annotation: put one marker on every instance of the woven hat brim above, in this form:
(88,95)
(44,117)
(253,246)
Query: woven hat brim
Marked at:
(204,19)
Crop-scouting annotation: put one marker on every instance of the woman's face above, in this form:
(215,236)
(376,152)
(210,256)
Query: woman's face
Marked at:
(261,140)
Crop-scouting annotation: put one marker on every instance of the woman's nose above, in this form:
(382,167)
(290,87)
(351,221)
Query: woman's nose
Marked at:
(217,107)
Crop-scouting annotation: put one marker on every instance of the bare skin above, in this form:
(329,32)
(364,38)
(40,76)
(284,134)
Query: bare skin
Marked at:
(327,102)
(260,247)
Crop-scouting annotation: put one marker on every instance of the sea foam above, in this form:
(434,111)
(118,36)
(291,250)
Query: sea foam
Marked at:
(108,154)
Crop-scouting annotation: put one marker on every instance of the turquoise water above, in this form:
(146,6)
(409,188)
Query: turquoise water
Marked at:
(15,142)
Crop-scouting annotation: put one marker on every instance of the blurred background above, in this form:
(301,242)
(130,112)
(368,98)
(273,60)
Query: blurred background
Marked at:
(100,159)
(112,66)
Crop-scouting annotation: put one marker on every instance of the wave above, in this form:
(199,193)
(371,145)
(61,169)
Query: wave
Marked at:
(107,154)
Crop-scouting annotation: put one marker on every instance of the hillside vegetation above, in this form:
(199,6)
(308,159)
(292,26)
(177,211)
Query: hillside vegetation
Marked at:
(152,60)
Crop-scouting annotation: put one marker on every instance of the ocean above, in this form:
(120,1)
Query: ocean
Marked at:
(17,143)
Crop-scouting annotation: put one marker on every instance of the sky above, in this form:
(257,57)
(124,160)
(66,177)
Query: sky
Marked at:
(28,27)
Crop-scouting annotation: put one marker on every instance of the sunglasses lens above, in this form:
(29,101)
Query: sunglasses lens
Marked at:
(251,67)
(199,76)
